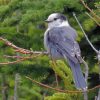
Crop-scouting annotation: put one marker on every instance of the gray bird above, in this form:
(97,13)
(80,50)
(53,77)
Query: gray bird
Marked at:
(60,42)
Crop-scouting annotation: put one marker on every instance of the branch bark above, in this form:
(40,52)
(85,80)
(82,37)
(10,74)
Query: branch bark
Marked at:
(85,34)
(96,51)
(22,50)
(59,90)
(32,54)
(98,95)
(86,79)
(92,12)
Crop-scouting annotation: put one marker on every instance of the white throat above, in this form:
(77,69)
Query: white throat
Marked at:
(64,23)
(58,24)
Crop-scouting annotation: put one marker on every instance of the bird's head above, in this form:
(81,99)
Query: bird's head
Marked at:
(55,20)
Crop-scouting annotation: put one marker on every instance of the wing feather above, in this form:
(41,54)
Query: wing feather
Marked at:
(62,40)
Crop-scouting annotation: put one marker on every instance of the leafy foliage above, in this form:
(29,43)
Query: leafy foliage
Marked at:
(61,96)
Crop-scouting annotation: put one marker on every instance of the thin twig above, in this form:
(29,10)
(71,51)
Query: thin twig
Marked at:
(85,64)
(56,76)
(97,52)
(85,95)
(86,70)
(86,78)
(49,87)
(59,90)
(54,65)
(16,57)
(92,12)
(98,98)
(22,50)
(98,57)
(85,34)
(19,60)
(13,62)
(93,18)
(17,49)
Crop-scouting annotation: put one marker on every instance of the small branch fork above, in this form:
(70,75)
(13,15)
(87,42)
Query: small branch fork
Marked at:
(19,60)
(30,54)
(93,18)
(91,11)
(96,51)
(21,50)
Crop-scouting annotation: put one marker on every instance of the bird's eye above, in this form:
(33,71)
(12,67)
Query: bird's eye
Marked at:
(55,18)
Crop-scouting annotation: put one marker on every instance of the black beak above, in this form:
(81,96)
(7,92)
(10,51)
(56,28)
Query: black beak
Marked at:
(48,21)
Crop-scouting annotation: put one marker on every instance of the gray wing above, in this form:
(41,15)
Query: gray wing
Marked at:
(63,41)
(69,32)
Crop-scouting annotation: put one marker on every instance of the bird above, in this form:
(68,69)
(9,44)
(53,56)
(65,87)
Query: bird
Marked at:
(60,42)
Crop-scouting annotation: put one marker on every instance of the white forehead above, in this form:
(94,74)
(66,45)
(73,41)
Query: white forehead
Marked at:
(52,16)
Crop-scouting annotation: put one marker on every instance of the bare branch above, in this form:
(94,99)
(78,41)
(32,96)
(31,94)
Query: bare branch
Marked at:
(17,49)
(49,87)
(21,50)
(63,91)
(16,57)
(98,98)
(93,18)
(86,78)
(86,69)
(98,57)
(97,52)
(20,60)
(85,34)
(92,12)
(13,62)
(85,95)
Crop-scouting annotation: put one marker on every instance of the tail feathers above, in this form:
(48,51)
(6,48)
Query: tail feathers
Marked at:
(78,76)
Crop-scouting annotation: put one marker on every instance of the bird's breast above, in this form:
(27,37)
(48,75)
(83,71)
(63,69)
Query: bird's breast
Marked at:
(51,47)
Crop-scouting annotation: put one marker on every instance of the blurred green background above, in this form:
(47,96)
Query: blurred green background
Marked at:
(22,23)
